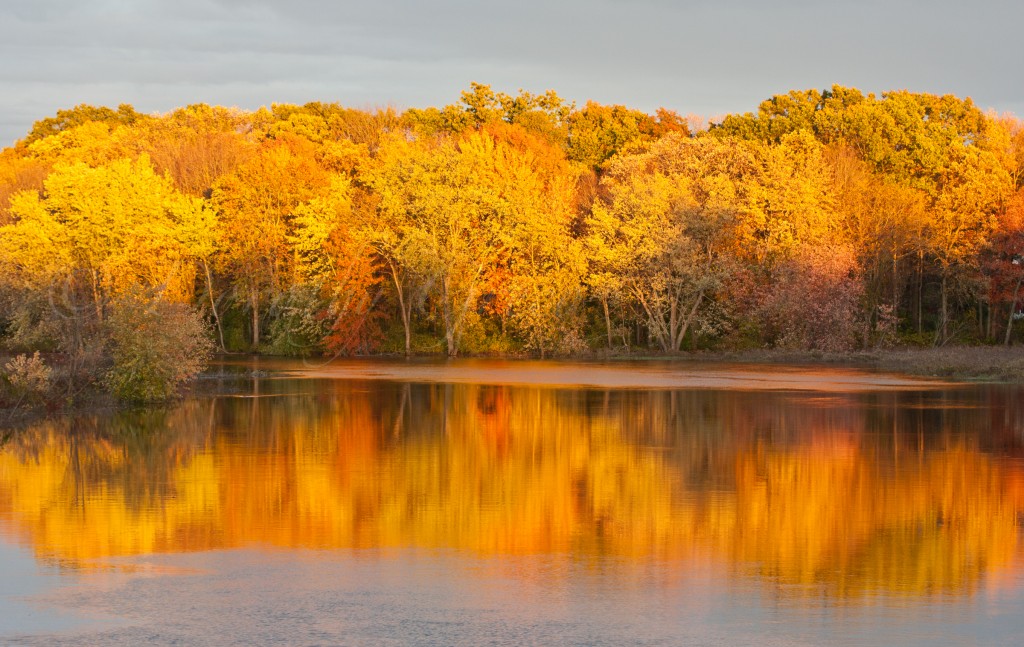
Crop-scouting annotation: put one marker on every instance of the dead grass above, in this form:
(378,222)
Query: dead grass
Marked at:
(976,363)
(982,363)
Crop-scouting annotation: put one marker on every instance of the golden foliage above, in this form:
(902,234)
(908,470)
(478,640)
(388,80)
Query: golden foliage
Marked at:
(522,217)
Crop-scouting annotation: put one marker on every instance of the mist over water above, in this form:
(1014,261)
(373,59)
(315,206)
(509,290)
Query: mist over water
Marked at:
(406,509)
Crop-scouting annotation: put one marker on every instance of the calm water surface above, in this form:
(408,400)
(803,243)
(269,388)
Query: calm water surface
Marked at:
(506,503)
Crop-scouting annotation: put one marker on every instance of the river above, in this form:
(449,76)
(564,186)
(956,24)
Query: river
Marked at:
(485,502)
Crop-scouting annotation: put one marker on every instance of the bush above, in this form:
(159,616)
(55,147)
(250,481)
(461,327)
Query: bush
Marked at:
(156,347)
(29,322)
(813,302)
(29,378)
(295,329)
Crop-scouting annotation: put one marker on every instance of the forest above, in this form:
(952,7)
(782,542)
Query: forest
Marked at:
(133,246)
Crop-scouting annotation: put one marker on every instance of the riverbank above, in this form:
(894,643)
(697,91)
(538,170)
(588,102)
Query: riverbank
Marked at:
(961,363)
(969,363)
(966,363)
(656,374)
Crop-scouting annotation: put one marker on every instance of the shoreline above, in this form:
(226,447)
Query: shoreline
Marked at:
(996,364)
(970,364)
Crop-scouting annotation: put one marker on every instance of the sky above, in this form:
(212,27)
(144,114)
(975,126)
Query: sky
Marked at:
(704,57)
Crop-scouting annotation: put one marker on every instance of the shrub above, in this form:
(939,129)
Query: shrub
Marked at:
(30,378)
(887,323)
(156,347)
(295,329)
(813,303)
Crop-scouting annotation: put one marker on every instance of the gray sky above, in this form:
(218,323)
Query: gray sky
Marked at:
(706,57)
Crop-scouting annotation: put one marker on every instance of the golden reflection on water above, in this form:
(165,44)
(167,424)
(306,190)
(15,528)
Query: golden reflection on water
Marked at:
(844,495)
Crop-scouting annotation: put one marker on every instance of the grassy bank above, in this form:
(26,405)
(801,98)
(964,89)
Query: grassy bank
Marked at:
(976,363)
(972,363)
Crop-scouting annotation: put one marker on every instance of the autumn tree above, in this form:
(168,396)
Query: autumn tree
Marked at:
(107,228)
(453,218)
(885,224)
(81,114)
(454,210)
(197,145)
(941,146)
(543,115)
(668,226)
(93,236)
(539,275)
(18,172)
(597,132)
(814,300)
(1002,261)
(792,203)
(336,269)
(257,203)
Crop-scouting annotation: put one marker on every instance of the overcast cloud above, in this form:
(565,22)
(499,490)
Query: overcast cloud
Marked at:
(701,57)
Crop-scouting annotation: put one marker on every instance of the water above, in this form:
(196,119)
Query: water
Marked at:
(503,503)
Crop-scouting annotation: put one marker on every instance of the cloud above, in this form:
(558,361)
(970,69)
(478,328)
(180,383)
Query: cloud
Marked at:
(704,57)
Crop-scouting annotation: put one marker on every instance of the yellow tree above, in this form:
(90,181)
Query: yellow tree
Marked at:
(455,209)
(396,174)
(93,143)
(70,118)
(885,223)
(668,224)
(794,204)
(543,115)
(196,145)
(973,188)
(94,235)
(256,203)
(454,220)
(607,262)
(120,227)
(597,132)
(538,283)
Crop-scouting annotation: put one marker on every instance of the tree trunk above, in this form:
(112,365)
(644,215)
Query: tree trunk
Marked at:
(1013,311)
(674,338)
(689,319)
(213,305)
(895,286)
(607,321)
(449,318)
(656,324)
(96,298)
(406,310)
(254,302)
(408,333)
(920,296)
(942,328)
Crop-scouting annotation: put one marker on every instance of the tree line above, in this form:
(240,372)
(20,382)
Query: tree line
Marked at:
(826,220)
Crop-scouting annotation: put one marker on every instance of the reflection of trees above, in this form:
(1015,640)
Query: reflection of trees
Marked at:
(843,519)
(86,486)
(907,492)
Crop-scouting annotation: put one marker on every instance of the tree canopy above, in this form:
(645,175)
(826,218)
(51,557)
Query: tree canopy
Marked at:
(522,223)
